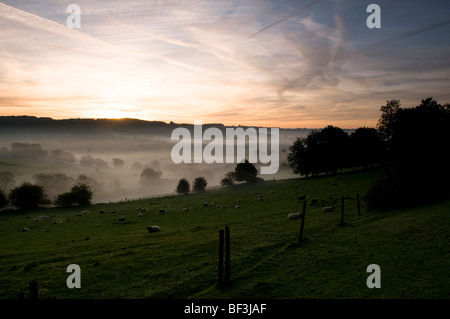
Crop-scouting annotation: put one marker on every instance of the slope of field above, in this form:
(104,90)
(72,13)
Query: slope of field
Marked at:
(121,260)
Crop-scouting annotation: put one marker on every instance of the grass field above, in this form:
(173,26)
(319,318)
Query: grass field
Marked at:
(121,260)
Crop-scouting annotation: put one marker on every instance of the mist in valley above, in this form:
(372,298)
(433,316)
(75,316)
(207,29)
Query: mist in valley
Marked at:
(110,162)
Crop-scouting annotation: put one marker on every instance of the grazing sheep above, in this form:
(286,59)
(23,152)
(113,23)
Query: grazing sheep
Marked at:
(314,200)
(79,214)
(153,229)
(44,217)
(294,216)
(138,208)
(259,197)
(302,197)
(186,209)
(122,219)
(85,212)
(224,206)
(272,192)
(25,229)
(205,204)
(143,210)
(187,203)
(140,215)
(237,206)
(36,220)
(328,209)
(101,212)
(55,222)
(162,211)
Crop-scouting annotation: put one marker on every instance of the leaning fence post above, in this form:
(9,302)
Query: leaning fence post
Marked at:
(227,255)
(342,210)
(34,293)
(303,221)
(220,270)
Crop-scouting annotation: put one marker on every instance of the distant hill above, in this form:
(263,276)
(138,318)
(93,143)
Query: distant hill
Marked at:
(26,124)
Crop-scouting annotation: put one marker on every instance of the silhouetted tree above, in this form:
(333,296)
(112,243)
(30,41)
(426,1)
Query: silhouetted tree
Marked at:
(415,170)
(28,196)
(183,186)
(388,118)
(367,146)
(81,194)
(245,172)
(199,184)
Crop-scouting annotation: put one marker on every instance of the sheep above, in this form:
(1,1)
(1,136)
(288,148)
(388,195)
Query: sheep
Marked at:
(85,212)
(237,206)
(79,214)
(101,212)
(187,203)
(140,215)
(153,229)
(205,204)
(143,209)
(314,200)
(138,208)
(294,216)
(36,220)
(301,197)
(162,211)
(44,217)
(54,222)
(259,197)
(186,209)
(25,229)
(328,209)
(122,219)
(224,206)
(272,192)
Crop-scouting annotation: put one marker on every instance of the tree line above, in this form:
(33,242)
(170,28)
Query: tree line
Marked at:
(410,146)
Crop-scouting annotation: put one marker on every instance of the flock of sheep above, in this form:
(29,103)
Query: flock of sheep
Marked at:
(156,228)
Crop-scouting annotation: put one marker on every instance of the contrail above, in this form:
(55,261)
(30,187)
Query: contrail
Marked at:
(401,37)
(300,11)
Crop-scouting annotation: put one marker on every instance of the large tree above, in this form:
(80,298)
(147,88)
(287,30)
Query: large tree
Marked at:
(415,170)
(28,196)
(199,184)
(183,186)
(245,172)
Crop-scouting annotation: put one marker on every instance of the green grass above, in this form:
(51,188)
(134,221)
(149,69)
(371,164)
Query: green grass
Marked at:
(122,260)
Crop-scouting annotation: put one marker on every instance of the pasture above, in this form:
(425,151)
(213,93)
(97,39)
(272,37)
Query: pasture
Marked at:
(120,259)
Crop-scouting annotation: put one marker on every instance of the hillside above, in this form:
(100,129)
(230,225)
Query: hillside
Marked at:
(121,260)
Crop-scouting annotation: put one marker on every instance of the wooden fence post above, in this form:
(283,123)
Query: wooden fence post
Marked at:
(357,204)
(342,210)
(227,255)
(303,221)
(220,270)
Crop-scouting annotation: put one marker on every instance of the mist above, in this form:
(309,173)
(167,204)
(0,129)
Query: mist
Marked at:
(111,161)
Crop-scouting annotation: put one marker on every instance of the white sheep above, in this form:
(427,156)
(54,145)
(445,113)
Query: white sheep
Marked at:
(237,207)
(153,229)
(186,209)
(294,216)
(328,209)
(25,229)
(140,215)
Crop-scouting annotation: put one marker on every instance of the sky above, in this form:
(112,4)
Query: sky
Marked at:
(260,63)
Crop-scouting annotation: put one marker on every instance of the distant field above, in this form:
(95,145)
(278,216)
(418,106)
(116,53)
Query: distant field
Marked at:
(122,260)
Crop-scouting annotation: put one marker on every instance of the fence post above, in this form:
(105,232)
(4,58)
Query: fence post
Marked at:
(303,221)
(227,255)
(34,293)
(357,204)
(220,270)
(342,210)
